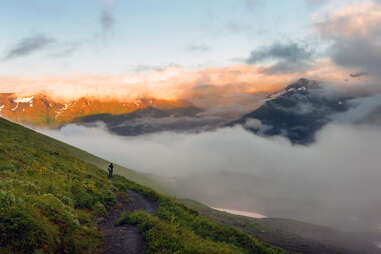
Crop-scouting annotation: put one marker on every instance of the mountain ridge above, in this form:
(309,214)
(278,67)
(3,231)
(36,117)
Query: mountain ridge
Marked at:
(40,110)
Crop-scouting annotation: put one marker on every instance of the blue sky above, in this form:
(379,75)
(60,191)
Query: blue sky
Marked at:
(146,33)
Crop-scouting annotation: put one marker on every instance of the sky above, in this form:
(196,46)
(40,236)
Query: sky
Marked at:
(116,36)
(60,43)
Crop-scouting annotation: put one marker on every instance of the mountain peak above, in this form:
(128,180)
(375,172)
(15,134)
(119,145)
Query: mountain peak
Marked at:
(303,85)
(297,113)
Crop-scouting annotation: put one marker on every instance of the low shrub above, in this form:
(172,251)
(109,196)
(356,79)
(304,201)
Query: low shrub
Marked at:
(99,209)
(23,229)
(163,238)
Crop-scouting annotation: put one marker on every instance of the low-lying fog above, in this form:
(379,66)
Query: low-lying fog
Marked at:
(336,181)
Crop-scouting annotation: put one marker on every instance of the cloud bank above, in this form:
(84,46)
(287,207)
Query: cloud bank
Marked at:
(349,36)
(338,176)
(290,57)
(354,32)
(206,88)
(288,52)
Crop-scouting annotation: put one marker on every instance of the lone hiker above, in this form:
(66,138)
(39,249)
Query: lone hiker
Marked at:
(110,170)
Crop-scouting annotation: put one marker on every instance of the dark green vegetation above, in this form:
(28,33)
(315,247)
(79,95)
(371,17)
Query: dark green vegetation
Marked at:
(294,236)
(51,194)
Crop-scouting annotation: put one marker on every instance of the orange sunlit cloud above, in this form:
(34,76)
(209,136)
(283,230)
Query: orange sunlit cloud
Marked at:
(170,83)
(360,19)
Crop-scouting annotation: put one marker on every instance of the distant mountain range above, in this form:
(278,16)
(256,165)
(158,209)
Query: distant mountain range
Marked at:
(150,120)
(42,111)
(297,112)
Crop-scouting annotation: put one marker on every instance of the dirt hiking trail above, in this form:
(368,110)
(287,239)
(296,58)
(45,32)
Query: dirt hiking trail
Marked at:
(125,239)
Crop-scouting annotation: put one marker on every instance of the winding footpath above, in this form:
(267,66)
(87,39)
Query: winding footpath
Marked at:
(125,239)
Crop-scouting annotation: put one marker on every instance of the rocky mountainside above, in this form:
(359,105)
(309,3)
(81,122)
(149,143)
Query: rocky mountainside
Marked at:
(42,111)
(297,112)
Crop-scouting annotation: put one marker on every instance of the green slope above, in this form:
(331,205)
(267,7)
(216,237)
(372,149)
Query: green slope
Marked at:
(51,194)
(294,236)
(48,197)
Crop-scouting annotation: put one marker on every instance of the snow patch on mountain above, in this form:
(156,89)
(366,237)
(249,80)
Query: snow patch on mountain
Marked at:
(241,213)
(24,99)
(65,107)
(16,107)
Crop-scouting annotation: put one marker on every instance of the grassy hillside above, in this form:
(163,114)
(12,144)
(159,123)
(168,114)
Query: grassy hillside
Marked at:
(51,194)
(48,197)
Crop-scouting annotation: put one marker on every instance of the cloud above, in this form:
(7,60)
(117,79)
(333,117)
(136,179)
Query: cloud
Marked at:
(256,125)
(354,32)
(289,67)
(235,27)
(199,47)
(362,109)
(226,84)
(316,3)
(28,46)
(330,182)
(144,68)
(358,74)
(288,52)
(253,4)
(108,2)
(66,49)
(289,57)
(107,20)
(360,53)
